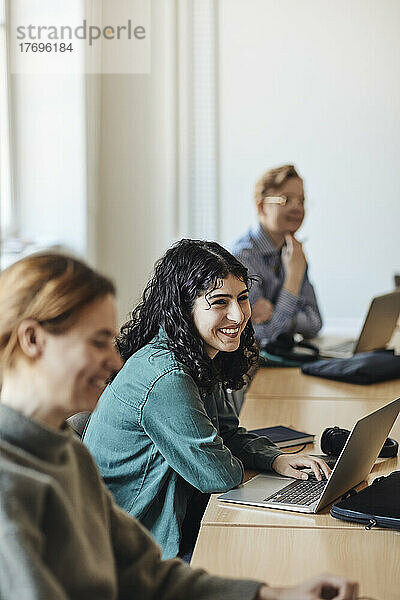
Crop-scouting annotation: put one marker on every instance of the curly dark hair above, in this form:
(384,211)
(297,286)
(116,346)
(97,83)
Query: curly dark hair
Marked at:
(186,271)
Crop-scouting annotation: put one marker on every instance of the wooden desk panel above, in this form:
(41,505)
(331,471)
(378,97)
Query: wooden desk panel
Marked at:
(283,547)
(292,383)
(312,415)
(288,556)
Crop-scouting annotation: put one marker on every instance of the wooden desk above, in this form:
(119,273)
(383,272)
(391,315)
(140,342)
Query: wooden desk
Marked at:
(283,547)
(290,555)
(291,383)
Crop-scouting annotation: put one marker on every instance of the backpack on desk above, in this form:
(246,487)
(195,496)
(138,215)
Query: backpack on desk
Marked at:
(364,368)
(376,505)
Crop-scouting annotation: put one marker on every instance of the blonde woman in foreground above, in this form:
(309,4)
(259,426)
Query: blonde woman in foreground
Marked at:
(61,535)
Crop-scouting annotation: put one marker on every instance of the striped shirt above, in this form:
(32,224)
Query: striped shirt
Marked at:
(296,314)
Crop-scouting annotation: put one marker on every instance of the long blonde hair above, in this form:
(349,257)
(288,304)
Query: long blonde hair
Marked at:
(50,288)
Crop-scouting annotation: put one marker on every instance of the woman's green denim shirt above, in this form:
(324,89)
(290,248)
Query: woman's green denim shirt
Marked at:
(155,437)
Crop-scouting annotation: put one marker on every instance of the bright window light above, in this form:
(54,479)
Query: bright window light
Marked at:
(5,154)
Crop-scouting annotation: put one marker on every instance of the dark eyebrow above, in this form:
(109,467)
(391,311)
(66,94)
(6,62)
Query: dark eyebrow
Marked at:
(245,291)
(105,333)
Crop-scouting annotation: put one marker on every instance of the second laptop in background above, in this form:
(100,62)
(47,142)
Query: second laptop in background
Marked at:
(376,332)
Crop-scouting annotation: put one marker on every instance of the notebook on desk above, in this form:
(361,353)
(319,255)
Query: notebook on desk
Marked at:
(284,436)
(376,332)
(352,467)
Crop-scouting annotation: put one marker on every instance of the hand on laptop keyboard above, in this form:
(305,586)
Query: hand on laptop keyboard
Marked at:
(311,476)
(290,465)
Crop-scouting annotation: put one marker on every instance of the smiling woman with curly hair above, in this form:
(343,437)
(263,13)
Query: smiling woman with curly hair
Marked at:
(187,270)
(163,433)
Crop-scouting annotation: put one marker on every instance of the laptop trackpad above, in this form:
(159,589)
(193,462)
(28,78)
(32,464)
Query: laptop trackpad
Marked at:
(258,488)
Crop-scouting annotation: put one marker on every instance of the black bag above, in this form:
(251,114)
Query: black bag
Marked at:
(284,351)
(363,368)
(376,505)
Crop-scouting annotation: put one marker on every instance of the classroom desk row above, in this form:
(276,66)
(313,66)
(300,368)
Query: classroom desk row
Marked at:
(284,547)
(291,383)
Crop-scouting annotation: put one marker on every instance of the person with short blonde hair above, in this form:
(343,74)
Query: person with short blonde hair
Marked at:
(62,537)
(283,299)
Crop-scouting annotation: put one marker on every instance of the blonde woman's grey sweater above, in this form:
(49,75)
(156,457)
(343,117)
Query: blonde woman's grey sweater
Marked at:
(63,537)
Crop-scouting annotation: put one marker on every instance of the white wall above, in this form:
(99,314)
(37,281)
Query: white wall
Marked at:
(317,83)
(137,191)
(95,160)
(313,82)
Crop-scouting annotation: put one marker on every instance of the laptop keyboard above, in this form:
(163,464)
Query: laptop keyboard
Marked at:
(303,493)
(347,346)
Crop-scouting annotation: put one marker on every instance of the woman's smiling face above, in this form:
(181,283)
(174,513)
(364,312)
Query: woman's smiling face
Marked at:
(77,363)
(220,315)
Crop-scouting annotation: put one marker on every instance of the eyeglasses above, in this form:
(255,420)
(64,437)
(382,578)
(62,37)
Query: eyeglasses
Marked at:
(284,200)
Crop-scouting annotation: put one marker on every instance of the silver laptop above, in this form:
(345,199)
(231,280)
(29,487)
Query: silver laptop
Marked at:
(353,465)
(377,330)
